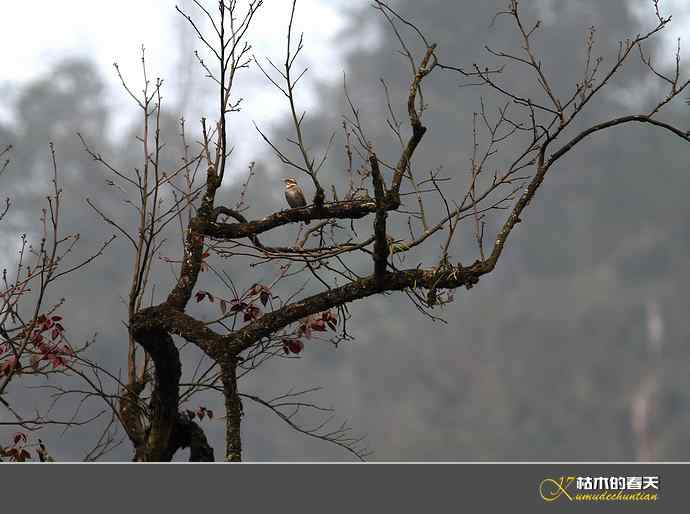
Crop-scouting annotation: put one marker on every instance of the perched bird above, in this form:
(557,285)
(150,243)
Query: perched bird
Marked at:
(294,194)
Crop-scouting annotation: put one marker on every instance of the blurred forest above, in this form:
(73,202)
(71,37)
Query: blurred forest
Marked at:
(575,348)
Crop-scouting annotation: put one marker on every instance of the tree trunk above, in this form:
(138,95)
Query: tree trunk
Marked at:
(233,412)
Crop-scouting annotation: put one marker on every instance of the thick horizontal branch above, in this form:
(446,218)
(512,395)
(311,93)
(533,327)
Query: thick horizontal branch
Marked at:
(315,253)
(350,209)
(449,277)
(168,319)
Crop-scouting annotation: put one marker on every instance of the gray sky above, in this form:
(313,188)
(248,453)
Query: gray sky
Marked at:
(111,32)
(114,32)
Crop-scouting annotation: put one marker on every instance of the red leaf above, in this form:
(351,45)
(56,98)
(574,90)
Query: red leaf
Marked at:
(54,333)
(318,325)
(19,436)
(292,346)
(237,306)
(329,318)
(202,412)
(200,295)
(305,330)
(57,318)
(55,359)
(296,346)
(264,297)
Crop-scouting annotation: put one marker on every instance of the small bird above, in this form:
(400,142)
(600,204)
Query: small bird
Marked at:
(294,194)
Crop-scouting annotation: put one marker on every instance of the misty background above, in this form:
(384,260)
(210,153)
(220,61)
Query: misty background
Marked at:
(575,348)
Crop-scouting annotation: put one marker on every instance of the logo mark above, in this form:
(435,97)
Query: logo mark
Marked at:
(551,489)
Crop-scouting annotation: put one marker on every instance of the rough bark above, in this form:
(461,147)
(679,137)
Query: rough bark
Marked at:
(233,412)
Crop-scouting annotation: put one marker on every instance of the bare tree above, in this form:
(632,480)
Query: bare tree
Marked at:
(350,242)
(33,340)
